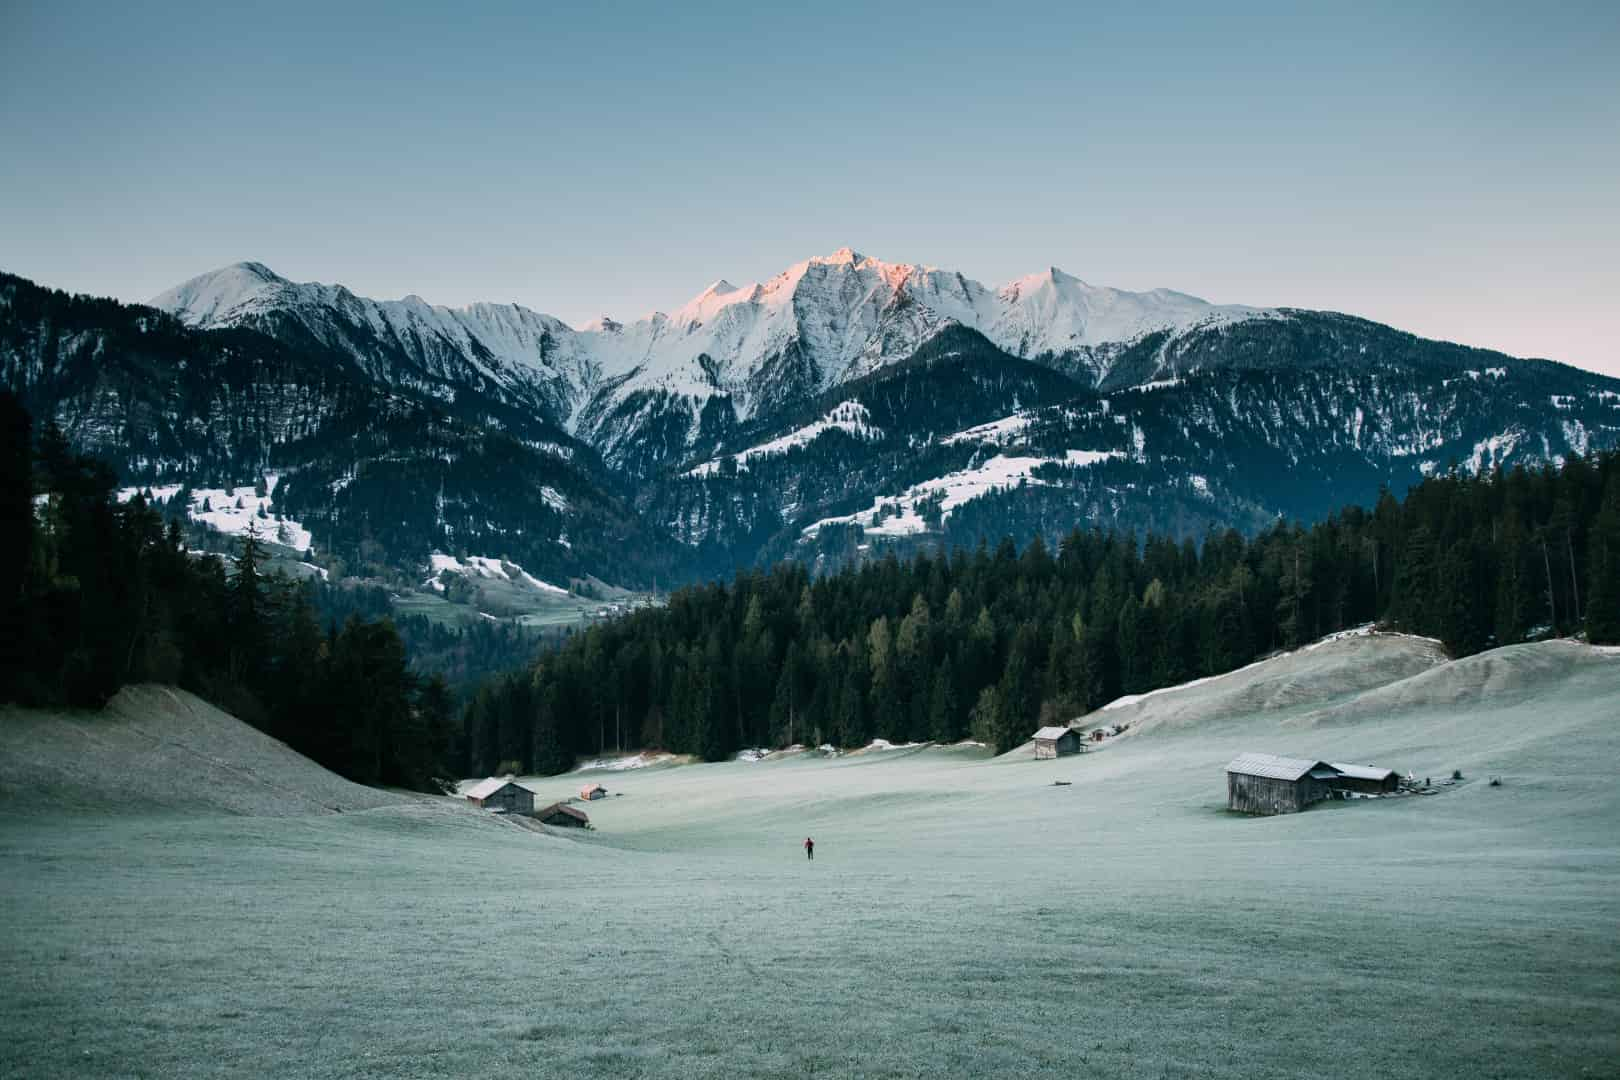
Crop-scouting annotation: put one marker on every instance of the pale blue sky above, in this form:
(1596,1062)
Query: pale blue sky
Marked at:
(1455,172)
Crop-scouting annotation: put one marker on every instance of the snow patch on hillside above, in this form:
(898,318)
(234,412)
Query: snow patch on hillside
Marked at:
(996,432)
(849,416)
(234,511)
(156,493)
(1491,452)
(899,515)
(479,566)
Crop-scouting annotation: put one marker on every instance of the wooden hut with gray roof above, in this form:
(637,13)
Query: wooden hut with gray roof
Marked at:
(1268,784)
(1051,742)
(1366,779)
(563,816)
(502,796)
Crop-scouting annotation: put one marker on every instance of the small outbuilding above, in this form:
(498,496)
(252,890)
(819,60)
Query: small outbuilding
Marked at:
(1366,779)
(1051,742)
(1268,784)
(592,791)
(563,816)
(503,795)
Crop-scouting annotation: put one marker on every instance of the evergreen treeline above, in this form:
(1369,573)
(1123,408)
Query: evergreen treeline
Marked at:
(464,656)
(989,644)
(99,594)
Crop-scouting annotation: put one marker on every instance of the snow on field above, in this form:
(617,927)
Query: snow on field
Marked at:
(850,416)
(155,492)
(237,510)
(480,566)
(1156,384)
(755,754)
(996,432)
(954,489)
(625,762)
(233,511)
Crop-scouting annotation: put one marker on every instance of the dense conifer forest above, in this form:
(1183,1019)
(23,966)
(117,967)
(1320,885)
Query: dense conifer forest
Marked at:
(989,643)
(99,594)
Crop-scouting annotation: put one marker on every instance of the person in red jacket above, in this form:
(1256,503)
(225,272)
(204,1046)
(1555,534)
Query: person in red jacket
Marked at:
(809,848)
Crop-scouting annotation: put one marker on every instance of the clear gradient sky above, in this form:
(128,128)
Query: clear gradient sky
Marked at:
(1455,171)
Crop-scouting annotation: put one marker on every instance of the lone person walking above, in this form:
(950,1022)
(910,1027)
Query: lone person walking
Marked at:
(809,849)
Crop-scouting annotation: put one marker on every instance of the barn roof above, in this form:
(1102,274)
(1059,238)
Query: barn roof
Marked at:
(1052,733)
(1364,772)
(593,787)
(485,788)
(561,808)
(1280,768)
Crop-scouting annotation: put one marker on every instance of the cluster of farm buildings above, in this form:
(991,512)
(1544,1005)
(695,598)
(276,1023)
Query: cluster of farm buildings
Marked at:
(503,796)
(1268,784)
(1255,783)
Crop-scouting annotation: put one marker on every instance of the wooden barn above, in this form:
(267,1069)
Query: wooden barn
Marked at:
(1366,779)
(1051,742)
(1268,784)
(563,816)
(502,795)
(592,791)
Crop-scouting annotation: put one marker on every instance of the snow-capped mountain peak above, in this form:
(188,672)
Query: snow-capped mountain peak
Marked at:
(220,295)
(816,324)
(843,256)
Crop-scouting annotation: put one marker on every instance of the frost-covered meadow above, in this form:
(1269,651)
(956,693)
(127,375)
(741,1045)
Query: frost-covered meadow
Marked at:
(963,916)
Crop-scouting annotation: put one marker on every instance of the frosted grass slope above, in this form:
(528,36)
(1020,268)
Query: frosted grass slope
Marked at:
(955,904)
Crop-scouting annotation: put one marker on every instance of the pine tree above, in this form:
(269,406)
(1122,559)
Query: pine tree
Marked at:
(942,722)
(16,543)
(248,611)
(1603,592)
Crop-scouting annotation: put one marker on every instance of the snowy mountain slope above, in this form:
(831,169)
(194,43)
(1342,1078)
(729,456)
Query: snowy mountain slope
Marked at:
(373,473)
(1294,429)
(514,354)
(846,391)
(639,391)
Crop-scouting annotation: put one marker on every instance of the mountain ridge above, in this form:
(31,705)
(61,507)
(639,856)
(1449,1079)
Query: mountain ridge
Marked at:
(820,322)
(844,406)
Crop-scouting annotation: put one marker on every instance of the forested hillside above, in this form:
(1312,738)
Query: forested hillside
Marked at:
(990,643)
(98,594)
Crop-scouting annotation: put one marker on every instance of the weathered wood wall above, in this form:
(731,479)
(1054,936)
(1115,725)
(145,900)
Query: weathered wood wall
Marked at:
(1264,795)
(518,800)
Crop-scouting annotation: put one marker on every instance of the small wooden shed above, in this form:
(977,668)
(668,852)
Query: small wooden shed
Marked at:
(592,791)
(1268,784)
(1051,742)
(563,816)
(1366,779)
(503,795)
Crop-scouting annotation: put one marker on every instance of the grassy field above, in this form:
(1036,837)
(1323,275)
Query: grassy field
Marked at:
(963,916)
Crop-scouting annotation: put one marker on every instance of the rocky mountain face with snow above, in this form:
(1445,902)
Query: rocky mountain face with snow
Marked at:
(844,405)
(646,393)
(379,471)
